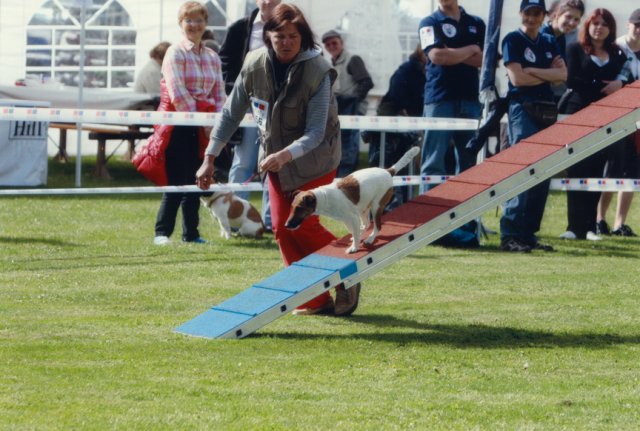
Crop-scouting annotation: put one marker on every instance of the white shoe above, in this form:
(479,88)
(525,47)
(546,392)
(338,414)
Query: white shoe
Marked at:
(593,237)
(568,235)
(161,240)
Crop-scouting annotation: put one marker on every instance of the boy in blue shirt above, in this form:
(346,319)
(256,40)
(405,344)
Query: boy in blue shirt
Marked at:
(452,41)
(533,61)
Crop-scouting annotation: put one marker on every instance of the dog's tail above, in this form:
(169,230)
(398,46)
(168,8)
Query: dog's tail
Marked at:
(404,160)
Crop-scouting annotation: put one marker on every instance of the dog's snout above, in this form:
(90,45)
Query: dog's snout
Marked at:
(292,224)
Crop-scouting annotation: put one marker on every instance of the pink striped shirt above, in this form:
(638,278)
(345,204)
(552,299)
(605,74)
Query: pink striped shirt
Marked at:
(190,77)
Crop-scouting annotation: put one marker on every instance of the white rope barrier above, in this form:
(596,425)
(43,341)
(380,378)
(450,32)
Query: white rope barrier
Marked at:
(116,117)
(561,184)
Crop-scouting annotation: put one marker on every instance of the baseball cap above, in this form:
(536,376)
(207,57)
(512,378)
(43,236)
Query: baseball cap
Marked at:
(330,34)
(528,4)
(635,17)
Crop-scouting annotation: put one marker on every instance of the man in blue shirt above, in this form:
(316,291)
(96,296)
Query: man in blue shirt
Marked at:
(533,62)
(452,41)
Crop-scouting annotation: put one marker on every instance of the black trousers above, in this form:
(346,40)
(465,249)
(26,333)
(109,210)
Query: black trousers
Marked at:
(582,207)
(182,162)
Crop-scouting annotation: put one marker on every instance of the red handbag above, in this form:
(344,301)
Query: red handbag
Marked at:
(150,161)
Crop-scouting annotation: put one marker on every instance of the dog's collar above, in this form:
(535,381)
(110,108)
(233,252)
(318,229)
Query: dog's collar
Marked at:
(321,199)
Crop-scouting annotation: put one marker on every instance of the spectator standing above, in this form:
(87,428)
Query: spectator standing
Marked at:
(533,61)
(563,22)
(148,80)
(287,85)
(597,68)
(244,36)
(351,89)
(452,41)
(404,97)
(209,40)
(192,81)
(624,160)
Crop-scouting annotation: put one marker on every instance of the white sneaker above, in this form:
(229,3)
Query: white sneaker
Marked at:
(591,236)
(568,235)
(161,240)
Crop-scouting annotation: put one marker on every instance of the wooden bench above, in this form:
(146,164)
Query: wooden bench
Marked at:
(101,134)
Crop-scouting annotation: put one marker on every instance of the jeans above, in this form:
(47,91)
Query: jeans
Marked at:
(245,158)
(350,138)
(436,142)
(245,161)
(522,215)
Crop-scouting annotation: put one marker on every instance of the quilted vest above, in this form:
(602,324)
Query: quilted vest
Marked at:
(286,115)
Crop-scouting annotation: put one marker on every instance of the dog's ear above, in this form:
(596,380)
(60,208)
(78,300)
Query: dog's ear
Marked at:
(309,200)
(295,193)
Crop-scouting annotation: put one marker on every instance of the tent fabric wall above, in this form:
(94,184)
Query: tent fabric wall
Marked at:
(155,20)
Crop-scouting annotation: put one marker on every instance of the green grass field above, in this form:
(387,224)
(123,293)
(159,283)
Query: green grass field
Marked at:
(444,339)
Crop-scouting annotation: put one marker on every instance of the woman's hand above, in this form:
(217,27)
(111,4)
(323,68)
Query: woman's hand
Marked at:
(204,176)
(274,162)
(611,87)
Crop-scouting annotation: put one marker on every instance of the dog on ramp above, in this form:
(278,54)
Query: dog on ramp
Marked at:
(232,211)
(351,200)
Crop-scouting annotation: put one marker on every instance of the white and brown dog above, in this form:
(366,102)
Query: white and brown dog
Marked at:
(351,200)
(234,212)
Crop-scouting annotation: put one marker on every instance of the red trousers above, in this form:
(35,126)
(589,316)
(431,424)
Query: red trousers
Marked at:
(309,237)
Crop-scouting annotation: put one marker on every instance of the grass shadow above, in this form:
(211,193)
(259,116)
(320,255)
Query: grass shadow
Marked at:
(45,241)
(468,336)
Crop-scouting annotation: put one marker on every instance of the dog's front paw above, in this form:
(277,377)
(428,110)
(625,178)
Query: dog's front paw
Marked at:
(352,249)
(370,240)
(225,235)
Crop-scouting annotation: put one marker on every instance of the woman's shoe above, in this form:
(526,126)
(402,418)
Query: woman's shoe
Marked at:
(198,240)
(161,240)
(326,308)
(602,228)
(347,299)
(591,236)
(568,235)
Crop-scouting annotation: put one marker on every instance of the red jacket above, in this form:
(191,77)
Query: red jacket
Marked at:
(150,160)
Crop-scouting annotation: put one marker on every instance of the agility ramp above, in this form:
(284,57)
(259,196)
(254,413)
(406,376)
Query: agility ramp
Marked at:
(430,216)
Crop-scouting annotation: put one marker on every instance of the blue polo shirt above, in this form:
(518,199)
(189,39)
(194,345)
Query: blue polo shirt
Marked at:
(560,40)
(517,47)
(459,81)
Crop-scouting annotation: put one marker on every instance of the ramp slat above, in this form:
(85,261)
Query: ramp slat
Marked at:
(213,324)
(254,301)
(294,278)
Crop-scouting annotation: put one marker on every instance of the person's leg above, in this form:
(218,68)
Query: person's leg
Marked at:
(190,204)
(166,217)
(350,152)
(175,163)
(603,207)
(622,209)
(464,157)
(188,160)
(245,158)
(514,223)
(435,143)
(309,237)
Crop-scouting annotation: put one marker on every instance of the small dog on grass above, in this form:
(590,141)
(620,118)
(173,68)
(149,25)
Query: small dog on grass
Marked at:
(234,212)
(351,200)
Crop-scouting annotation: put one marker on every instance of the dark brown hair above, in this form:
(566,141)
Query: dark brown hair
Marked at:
(560,7)
(284,14)
(610,42)
(158,51)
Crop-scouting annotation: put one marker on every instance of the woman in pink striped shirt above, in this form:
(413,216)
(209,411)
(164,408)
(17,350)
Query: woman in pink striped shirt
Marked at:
(191,81)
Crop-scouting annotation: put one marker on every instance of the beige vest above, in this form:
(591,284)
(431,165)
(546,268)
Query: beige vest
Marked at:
(345,85)
(286,119)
